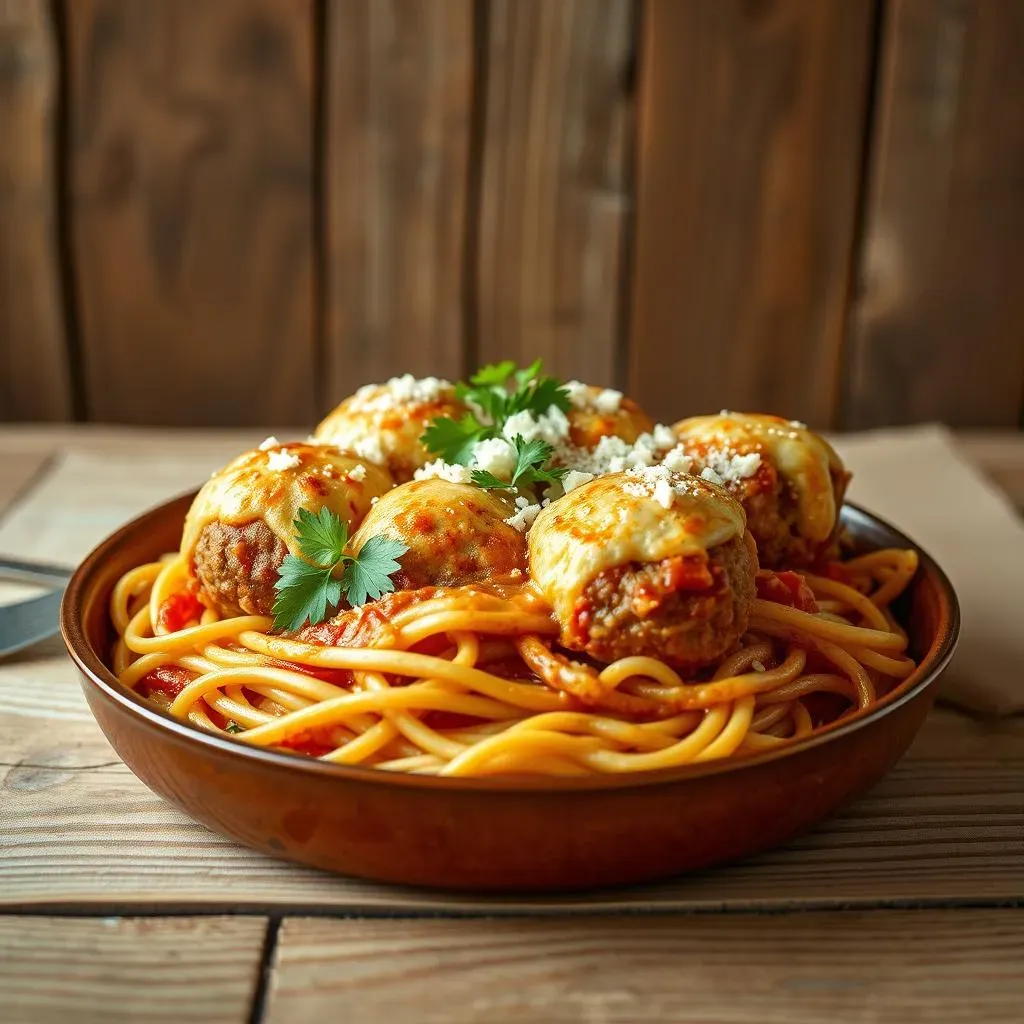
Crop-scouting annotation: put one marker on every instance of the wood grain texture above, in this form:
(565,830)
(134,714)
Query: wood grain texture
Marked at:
(113,969)
(938,329)
(884,967)
(750,123)
(192,213)
(34,375)
(78,831)
(946,825)
(555,194)
(399,86)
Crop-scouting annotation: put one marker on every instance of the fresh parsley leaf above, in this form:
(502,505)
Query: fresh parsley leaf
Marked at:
(487,480)
(368,575)
(494,394)
(308,587)
(453,440)
(322,538)
(545,393)
(233,727)
(304,592)
(530,455)
(496,374)
(530,469)
(523,377)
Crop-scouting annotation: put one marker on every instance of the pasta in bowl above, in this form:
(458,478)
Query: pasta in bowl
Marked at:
(538,613)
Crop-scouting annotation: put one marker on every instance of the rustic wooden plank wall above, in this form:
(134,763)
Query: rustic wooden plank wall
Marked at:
(191,161)
(938,328)
(236,213)
(751,126)
(34,367)
(397,118)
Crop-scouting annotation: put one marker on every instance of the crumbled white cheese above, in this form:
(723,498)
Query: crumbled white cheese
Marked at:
(579,393)
(406,389)
(281,460)
(707,473)
(375,499)
(657,482)
(664,437)
(369,447)
(729,465)
(663,494)
(495,455)
(758,666)
(522,502)
(613,455)
(357,473)
(524,518)
(607,402)
(677,460)
(574,478)
(271,442)
(445,471)
(551,426)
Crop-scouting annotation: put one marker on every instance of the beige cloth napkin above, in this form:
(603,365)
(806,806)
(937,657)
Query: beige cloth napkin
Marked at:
(916,478)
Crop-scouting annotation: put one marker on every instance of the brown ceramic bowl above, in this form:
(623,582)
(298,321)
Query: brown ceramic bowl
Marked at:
(499,834)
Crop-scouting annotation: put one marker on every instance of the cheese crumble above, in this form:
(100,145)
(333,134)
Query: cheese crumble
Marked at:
(282,460)
(400,391)
(495,455)
(525,516)
(445,471)
(657,482)
(271,442)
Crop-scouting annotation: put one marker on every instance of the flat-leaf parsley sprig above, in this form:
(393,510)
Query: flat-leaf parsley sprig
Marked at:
(307,587)
(495,394)
(531,459)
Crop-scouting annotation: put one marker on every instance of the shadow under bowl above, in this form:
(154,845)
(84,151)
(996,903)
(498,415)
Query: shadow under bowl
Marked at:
(493,833)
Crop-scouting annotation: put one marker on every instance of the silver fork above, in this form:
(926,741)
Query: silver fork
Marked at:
(27,622)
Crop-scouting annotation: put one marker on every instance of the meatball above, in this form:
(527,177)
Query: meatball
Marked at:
(647,562)
(789,480)
(241,524)
(456,534)
(237,566)
(683,613)
(384,422)
(599,412)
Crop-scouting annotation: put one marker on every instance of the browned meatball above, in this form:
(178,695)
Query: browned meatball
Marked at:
(789,480)
(384,422)
(242,522)
(237,566)
(597,412)
(455,533)
(686,615)
(646,562)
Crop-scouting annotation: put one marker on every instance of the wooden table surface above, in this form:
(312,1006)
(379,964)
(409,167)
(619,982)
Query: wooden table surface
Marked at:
(114,906)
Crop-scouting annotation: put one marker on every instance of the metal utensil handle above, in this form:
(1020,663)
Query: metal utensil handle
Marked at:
(33,572)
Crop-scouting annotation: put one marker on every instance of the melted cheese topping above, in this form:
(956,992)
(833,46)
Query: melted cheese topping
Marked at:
(383,423)
(611,521)
(801,457)
(272,483)
(455,532)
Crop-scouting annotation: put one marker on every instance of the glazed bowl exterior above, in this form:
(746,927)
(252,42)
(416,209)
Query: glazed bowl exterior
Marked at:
(498,834)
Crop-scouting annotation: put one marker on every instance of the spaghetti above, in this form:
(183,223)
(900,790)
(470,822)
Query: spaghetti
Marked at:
(470,680)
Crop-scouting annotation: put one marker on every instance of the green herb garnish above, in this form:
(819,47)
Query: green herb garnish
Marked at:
(495,393)
(307,587)
(531,459)
(233,727)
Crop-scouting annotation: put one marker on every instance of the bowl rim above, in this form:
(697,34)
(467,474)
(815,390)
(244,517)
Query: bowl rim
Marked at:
(96,674)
